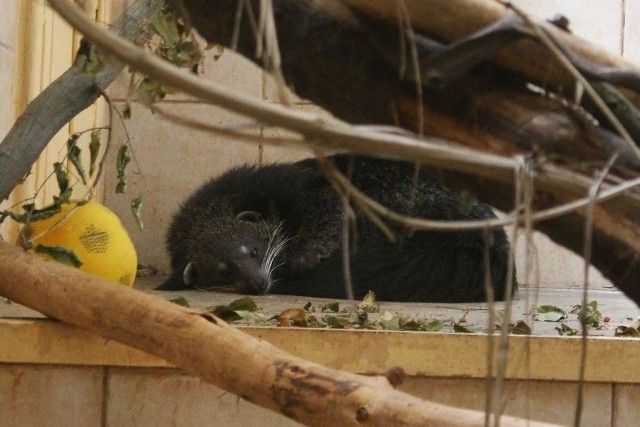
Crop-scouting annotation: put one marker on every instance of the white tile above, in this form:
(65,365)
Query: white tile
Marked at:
(625,405)
(547,401)
(8,21)
(600,22)
(554,266)
(168,398)
(50,396)
(632,30)
(7,62)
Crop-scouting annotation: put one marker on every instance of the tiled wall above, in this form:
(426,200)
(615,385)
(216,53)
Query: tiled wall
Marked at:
(71,396)
(7,63)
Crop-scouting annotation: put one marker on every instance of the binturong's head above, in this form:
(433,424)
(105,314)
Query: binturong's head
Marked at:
(233,253)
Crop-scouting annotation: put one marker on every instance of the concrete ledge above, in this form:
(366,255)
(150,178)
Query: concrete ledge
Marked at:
(43,341)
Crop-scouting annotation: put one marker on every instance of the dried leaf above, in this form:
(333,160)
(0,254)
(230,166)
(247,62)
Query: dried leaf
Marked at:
(626,331)
(521,328)
(292,317)
(369,303)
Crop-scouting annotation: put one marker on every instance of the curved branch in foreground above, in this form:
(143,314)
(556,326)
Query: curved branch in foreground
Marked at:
(205,346)
(62,100)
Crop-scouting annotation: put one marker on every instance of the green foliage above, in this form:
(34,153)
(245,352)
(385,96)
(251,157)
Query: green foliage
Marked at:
(124,157)
(60,254)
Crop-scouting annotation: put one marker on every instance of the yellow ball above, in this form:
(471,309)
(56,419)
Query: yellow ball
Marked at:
(95,235)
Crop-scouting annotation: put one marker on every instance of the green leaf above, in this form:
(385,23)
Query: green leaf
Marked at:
(94,63)
(390,325)
(589,316)
(180,301)
(151,91)
(565,329)
(136,208)
(233,310)
(63,198)
(124,157)
(94,149)
(74,156)
(246,304)
(433,326)
(337,322)
(165,25)
(32,214)
(332,306)
(225,313)
(252,317)
(550,313)
(60,254)
(61,177)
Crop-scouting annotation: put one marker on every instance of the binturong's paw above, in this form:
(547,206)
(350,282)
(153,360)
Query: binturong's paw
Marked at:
(301,263)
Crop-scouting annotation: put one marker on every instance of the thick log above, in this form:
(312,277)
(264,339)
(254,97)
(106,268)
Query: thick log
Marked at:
(206,346)
(526,57)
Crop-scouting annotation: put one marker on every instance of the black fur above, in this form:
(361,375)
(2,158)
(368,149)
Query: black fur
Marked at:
(225,249)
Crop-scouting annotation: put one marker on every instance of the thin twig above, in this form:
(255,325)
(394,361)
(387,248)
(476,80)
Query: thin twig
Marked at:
(588,240)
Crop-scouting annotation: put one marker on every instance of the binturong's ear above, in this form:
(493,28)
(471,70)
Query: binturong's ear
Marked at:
(249,216)
(176,282)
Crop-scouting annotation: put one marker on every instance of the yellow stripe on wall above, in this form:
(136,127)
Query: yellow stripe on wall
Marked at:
(45,48)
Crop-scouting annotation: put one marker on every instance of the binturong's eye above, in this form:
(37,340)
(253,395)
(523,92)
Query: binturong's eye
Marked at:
(225,274)
(254,253)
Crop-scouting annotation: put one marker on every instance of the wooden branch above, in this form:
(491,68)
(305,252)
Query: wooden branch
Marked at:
(63,99)
(205,346)
(525,57)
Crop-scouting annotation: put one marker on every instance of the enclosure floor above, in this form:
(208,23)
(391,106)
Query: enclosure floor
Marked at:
(613,305)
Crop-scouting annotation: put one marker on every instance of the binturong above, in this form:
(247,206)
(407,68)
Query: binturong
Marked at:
(279,229)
